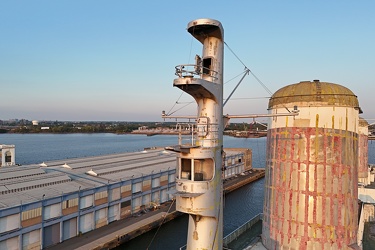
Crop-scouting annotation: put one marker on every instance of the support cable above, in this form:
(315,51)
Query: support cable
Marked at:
(259,81)
(235,77)
(161,223)
(168,113)
(189,57)
(256,78)
(179,108)
(246,72)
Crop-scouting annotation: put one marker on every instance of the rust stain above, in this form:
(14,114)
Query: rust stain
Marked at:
(310,188)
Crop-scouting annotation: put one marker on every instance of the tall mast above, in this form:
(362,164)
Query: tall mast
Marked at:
(199,178)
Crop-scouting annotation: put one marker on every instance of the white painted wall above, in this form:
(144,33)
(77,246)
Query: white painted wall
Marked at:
(10,244)
(9,223)
(114,213)
(86,222)
(115,194)
(69,228)
(101,217)
(86,201)
(52,211)
(31,240)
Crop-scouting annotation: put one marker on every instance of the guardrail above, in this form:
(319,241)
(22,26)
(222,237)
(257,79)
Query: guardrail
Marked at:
(191,70)
(243,228)
(240,230)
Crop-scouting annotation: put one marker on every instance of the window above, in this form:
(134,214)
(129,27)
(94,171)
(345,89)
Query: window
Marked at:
(101,195)
(70,203)
(207,64)
(203,169)
(125,204)
(185,169)
(197,170)
(29,214)
(8,156)
(125,188)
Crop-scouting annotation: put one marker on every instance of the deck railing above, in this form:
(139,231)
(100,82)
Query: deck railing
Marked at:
(191,70)
(240,230)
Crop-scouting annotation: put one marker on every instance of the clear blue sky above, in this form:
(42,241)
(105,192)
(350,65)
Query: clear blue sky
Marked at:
(114,60)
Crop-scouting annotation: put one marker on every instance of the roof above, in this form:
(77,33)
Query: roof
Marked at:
(32,183)
(363,122)
(314,93)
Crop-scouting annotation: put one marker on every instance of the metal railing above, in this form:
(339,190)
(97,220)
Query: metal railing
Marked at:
(240,230)
(243,228)
(191,70)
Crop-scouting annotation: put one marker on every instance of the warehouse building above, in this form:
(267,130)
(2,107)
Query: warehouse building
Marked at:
(44,204)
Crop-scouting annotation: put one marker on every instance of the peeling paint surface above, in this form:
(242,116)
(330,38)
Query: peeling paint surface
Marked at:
(363,149)
(311,188)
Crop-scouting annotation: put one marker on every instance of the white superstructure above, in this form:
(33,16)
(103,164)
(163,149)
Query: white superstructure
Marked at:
(199,181)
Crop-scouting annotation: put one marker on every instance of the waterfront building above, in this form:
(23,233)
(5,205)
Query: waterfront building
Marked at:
(44,204)
(7,155)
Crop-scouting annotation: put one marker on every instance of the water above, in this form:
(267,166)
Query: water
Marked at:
(36,148)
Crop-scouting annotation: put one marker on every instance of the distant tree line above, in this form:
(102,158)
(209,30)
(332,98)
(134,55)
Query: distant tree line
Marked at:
(101,127)
(79,127)
(118,127)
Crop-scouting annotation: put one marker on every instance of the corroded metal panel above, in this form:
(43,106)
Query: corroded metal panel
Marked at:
(315,92)
(311,188)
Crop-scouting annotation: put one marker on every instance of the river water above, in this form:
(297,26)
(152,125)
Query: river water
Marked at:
(240,205)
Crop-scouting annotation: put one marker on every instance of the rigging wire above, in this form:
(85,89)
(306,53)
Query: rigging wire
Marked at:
(180,108)
(161,223)
(246,69)
(261,83)
(235,55)
(191,45)
(191,48)
(168,113)
(240,74)
(234,99)
(256,78)
(250,98)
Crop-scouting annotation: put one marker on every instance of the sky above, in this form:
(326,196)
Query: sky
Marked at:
(92,60)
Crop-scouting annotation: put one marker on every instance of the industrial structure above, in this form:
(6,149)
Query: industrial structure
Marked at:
(7,155)
(311,194)
(44,204)
(199,182)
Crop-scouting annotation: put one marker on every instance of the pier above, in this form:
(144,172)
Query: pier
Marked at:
(119,232)
(56,202)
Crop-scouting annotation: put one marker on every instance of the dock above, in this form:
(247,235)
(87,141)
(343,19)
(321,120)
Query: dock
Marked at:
(243,179)
(108,199)
(119,232)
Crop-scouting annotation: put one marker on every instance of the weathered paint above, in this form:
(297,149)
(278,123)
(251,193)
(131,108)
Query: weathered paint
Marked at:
(199,181)
(316,93)
(363,150)
(311,173)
